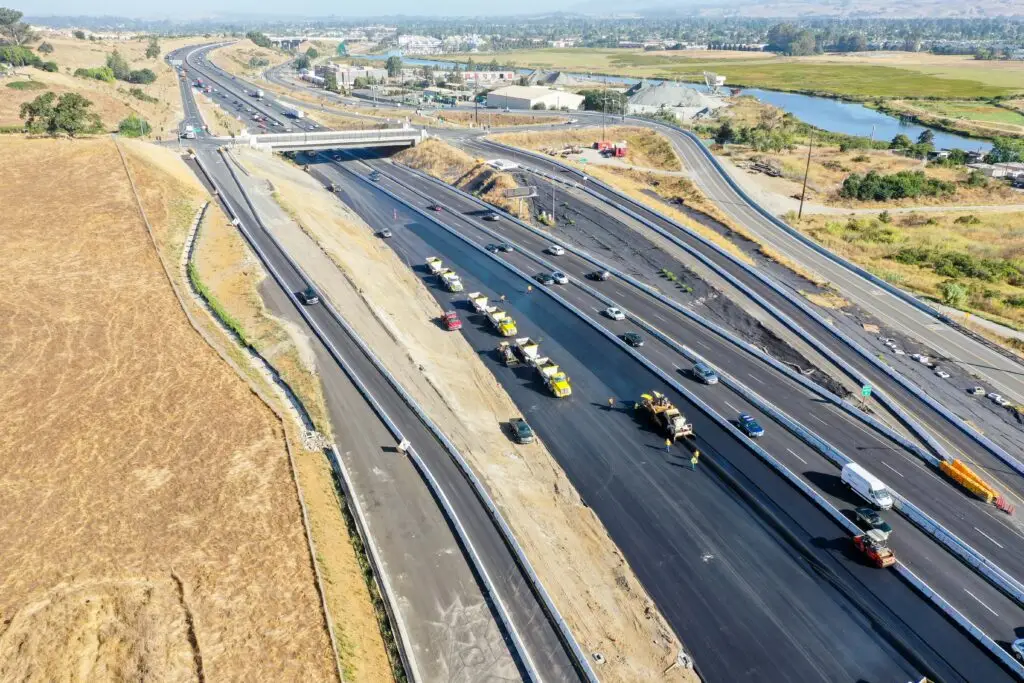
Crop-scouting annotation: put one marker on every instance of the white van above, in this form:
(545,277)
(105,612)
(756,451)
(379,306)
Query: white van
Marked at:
(867,486)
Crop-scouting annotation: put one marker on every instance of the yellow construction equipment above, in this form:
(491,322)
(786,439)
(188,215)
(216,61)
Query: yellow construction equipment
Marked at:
(664,415)
(966,477)
(554,378)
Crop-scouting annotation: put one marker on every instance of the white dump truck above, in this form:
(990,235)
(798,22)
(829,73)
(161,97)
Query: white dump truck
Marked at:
(451,280)
(526,350)
(478,301)
(434,265)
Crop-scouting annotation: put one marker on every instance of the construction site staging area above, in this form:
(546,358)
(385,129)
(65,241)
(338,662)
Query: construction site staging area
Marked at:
(149,490)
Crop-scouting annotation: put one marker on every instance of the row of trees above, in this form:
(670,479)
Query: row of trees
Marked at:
(15,55)
(67,115)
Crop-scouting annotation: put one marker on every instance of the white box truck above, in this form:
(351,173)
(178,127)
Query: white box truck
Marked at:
(866,485)
(295,113)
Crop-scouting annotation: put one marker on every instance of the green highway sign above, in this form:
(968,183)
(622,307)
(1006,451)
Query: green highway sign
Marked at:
(865,391)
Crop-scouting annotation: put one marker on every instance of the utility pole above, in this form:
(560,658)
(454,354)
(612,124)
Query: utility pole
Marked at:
(553,202)
(807,170)
(604,107)
(872,135)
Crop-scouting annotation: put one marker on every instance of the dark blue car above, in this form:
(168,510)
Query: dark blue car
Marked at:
(750,426)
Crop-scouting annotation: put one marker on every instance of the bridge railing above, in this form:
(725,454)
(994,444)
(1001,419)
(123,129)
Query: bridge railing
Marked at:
(323,137)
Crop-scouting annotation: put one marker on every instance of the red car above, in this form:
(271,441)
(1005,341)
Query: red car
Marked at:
(451,321)
(436,207)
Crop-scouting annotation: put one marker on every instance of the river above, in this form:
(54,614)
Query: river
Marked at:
(822,112)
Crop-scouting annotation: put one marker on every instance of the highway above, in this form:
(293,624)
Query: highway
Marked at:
(975,522)
(450,623)
(783,498)
(914,480)
(952,437)
(671,523)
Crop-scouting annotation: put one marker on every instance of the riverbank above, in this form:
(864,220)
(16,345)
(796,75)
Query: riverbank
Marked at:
(979,119)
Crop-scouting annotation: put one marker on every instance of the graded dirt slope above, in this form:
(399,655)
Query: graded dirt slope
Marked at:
(590,582)
(237,58)
(150,525)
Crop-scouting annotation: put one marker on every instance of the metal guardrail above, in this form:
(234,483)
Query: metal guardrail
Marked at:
(464,538)
(984,441)
(972,557)
(327,137)
(922,587)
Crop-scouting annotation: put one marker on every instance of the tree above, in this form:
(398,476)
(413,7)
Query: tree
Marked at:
(954,293)
(394,66)
(725,133)
(70,115)
(926,137)
(1006,150)
(342,51)
(12,29)
(143,76)
(153,49)
(301,62)
(18,56)
(38,112)
(609,101)
(260,39)
(312,53)
(133,126)
(78,34)
(331,81)
(45,48)
(119,65)
(901,141)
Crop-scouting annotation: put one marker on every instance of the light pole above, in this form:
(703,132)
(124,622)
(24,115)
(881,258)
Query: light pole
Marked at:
(807,170)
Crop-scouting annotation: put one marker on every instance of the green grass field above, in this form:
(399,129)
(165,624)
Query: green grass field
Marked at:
(975,111)
(917,76)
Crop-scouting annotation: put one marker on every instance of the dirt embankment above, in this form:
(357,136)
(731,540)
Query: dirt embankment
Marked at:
(457,168)
(151,527)
(592,585)
(645,147)
(247,59)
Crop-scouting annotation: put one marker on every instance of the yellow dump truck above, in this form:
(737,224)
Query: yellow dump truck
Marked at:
(501,321)
(556,381)
(450,280)
(665,416)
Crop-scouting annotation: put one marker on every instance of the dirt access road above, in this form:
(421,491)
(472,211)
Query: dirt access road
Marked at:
(151,527)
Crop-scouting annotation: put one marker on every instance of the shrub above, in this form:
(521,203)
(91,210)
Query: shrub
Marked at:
(133,126)
(48,66)
(256,62)
(18,56)
(1017,301)
(969,219)
(878,187)
(100,73)
(26,85)
(885,217)
(138,94)
(976,179)
(260,39)
(953,294)
(141,76)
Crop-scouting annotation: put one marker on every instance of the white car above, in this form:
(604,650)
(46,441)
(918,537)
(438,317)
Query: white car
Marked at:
(899,352)
(1002,401)
(924,360)
(571,122)
(555,250)
(560,278)
(998,399)
(942,373)
(976,391)
(614,313)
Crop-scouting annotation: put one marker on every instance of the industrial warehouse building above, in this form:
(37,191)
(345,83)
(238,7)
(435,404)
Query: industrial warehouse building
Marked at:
(529,97)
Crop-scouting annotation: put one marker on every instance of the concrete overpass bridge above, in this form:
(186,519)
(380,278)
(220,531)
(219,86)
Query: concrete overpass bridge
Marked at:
(337,139)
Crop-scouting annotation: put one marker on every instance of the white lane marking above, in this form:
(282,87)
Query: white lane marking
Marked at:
(892,468)
(1007,526)
(980,602)
(819,419)
(796,456)
(988,537)
(755,378)
(701,344)
(734,408)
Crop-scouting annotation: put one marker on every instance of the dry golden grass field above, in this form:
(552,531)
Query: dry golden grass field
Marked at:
(647,148)
(150,525)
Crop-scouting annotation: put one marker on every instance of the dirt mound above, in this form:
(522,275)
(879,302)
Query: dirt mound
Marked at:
(133,629)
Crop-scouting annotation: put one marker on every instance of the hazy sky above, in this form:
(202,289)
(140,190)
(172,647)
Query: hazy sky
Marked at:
(311,8)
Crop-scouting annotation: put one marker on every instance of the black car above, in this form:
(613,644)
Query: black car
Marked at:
(309,296)
(633,339)
(491,216)
(507,248)
(599,275)
(544,279)
(375,175)
(521,431)
(493,248)
(869,518)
